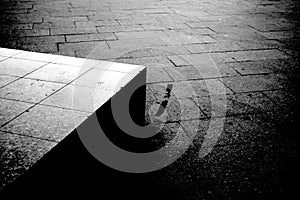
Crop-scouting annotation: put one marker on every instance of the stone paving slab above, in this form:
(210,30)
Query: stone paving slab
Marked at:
(13,66)
(12,109)
(56,122)
(32,91)
(6,80)
(18,153)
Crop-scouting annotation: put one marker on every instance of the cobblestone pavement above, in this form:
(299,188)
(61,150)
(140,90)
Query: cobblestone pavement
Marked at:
(253,46)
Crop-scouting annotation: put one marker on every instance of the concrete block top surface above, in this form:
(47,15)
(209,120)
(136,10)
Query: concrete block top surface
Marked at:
(44,97)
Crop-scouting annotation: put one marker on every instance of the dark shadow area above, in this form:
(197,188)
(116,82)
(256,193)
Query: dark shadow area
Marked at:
(70,169)
(262,169)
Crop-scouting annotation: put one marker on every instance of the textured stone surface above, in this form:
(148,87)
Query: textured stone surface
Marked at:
(18,67)
(57,73)
(4,80)
(3,58)
(79,98)
(36,56)
(254,83)
(18,153)
(11,109)
(29,90)
(56,122)
(9,52)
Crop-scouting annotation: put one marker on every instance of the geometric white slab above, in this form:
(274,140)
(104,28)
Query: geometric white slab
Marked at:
(45,86)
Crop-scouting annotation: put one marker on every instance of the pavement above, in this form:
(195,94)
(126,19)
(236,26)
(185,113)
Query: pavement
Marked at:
(237,53)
